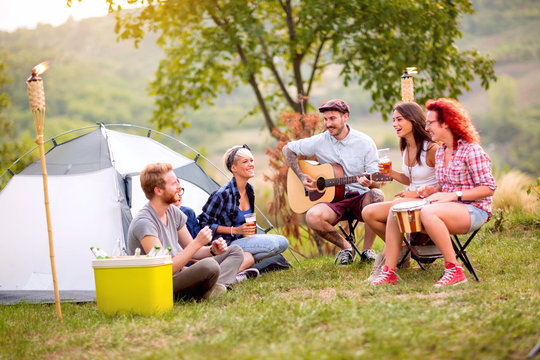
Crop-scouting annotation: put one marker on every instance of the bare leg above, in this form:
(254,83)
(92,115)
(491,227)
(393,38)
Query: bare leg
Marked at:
(373,196)
(248,262)
(375,216)
(394,238)
(442,219)
(320,218)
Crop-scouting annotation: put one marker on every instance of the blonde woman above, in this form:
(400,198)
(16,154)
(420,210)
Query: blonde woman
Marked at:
(224,212)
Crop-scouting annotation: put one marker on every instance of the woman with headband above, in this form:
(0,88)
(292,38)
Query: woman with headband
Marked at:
(225,209)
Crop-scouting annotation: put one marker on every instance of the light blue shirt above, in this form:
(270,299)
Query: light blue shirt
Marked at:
(356,153)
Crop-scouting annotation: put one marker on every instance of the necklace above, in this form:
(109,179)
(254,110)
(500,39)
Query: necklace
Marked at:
(409,167)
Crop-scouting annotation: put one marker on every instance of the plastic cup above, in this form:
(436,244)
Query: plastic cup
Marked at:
(251,221)
(384,159)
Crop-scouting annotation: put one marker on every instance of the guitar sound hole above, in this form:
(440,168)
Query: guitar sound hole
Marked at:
(321,184)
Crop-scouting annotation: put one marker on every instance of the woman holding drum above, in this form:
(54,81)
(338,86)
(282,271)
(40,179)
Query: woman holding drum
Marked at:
(418,164)
(460,202)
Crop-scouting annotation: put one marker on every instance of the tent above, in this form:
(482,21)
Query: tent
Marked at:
(94,191)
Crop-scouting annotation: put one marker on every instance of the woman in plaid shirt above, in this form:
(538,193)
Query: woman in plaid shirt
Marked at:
(224,213)
(460,202)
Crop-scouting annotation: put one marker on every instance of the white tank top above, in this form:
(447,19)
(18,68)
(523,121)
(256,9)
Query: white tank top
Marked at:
(419,174)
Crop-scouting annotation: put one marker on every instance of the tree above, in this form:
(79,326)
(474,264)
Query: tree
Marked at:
(280,48)
(9,148)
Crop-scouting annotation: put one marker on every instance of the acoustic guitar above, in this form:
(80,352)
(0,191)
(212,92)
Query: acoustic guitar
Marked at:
(330,184)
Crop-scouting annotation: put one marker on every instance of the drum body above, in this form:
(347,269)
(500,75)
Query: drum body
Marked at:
(407,215)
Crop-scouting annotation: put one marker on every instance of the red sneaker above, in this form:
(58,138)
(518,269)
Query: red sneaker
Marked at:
(453,275)
(387,276)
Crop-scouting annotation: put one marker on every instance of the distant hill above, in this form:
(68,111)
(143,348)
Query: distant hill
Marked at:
(95,78)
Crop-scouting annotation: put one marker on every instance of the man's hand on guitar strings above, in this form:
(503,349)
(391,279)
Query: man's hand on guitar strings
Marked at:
(308,182)
(364,181)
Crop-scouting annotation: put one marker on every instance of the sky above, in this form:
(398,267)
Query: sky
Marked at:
(16,14)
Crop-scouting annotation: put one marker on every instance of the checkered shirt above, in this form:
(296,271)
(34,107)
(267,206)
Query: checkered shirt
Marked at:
(222,206)
(468,168)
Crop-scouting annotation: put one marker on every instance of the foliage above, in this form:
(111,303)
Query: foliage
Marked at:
(10,149)
(534,189)
(517,143)
(282,48)
(498,220)
(314,311)
(513,24)
(512,193)
(89,79)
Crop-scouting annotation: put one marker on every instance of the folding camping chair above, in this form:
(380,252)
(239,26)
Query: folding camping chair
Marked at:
(423,250)
(352,223)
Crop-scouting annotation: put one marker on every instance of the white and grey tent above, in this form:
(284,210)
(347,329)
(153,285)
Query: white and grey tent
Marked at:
(94,191)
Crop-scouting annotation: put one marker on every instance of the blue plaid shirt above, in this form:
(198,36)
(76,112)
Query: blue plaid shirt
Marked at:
(222,208)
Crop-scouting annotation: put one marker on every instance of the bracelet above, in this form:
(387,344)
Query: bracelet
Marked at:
(212,252)
(231,231)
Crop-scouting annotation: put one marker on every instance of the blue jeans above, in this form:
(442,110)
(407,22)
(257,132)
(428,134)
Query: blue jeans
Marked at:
(478,217)
(263,245)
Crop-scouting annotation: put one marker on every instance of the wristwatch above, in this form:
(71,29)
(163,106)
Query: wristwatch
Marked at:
(459,194)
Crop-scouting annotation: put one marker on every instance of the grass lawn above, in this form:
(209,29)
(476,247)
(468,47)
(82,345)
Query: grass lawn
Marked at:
(316,311)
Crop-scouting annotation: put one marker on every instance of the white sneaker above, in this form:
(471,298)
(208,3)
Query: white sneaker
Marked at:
(215,291)
(377,267)
(345,257)
(247,274)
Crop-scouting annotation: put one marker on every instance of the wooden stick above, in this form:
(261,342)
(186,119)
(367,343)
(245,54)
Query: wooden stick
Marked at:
(39,118)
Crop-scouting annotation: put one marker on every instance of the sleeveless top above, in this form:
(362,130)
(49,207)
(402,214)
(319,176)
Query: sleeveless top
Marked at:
(240,217)
(420,174)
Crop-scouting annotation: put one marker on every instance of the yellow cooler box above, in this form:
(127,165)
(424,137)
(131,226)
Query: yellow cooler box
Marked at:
(134,284)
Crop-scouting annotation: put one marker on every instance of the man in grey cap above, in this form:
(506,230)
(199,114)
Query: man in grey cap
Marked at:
(357,154)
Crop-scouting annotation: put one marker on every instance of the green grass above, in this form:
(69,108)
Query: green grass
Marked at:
(316,311)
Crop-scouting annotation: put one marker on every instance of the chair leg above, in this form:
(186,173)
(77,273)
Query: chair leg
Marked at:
(350,237)
(407,240)
(461,253)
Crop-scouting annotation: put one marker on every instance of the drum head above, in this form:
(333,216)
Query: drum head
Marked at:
(409,205)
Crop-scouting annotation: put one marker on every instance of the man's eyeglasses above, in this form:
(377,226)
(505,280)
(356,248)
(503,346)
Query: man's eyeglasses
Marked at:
(428,123)
(181,192)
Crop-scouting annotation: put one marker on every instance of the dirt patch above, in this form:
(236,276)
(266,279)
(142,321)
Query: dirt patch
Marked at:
(327,294)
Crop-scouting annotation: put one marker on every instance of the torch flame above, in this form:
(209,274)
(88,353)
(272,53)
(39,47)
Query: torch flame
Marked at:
(40,68)
(412,70)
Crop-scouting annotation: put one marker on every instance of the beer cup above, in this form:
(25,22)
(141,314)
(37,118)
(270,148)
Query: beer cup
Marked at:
(251,221)
(384,160)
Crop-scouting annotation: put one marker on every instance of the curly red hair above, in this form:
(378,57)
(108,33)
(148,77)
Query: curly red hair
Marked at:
(452,113)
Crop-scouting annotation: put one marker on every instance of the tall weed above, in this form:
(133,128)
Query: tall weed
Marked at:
(511,194)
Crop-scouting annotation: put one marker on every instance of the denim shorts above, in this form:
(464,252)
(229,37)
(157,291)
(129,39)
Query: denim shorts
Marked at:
(478,217)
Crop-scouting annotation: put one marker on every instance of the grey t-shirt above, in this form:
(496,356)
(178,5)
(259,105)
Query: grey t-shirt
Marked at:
(147,222)
(356,153)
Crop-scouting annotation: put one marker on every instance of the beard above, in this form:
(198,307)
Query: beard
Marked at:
(171,198)
(336,130)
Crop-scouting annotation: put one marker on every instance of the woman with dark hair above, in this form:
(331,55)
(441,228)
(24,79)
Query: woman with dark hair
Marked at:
(418,164)
(461,200)
(224,213)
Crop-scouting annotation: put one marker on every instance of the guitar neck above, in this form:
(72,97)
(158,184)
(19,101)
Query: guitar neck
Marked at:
(340,181)
(352,179)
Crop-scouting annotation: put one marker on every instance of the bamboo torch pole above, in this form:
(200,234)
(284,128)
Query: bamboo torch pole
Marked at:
(407,85)
(36,97)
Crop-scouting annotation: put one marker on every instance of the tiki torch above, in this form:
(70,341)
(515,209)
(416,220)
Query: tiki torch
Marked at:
(36,97)
(407,86)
